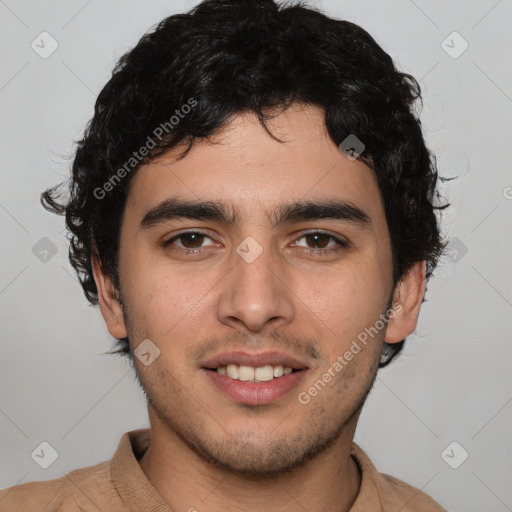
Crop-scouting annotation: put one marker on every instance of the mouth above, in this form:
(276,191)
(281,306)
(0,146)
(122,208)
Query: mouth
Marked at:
(245,373)
(254,379)
(260,367)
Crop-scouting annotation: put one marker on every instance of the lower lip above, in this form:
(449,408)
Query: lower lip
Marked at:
(256,393)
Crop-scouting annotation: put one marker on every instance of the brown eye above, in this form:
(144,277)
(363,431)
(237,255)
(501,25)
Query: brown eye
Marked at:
(190,240)
(318,241)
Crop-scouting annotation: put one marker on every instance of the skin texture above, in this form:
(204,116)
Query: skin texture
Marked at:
(208,451)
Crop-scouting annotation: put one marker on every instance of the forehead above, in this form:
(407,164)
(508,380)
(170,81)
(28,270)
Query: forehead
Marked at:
(253,175)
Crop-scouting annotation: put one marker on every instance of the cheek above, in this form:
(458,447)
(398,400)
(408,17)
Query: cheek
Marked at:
(161,297)
(345,304)
(346,298)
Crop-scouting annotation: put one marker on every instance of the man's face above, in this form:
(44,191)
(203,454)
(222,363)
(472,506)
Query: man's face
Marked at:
(285,289)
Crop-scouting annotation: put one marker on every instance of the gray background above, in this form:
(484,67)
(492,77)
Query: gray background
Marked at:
(453,382)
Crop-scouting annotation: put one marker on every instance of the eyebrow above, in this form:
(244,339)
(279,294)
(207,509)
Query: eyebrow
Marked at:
(297,211)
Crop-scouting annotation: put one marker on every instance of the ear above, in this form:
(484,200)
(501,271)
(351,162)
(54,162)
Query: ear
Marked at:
(110,307)
(407,299)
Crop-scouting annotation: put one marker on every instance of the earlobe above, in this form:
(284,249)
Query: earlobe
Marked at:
(407,300)
(110,307)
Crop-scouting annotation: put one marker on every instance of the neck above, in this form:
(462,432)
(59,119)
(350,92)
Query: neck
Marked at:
(328,482)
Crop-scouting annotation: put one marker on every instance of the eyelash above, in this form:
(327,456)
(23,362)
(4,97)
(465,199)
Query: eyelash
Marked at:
(341,244)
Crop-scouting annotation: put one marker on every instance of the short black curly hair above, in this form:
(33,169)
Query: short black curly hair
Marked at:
(226,57)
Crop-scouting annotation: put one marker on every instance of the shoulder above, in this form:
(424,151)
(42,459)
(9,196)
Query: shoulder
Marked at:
(407,497)
(84,488)
(385,493)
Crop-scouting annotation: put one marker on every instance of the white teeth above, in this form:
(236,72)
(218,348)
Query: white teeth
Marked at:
(278,370)
(232,371)
(245,373)
(250,374)
(264,373)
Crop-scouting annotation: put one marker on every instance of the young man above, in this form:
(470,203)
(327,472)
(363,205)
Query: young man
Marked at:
(252,208)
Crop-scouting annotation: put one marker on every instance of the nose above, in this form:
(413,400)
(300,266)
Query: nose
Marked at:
(256,293)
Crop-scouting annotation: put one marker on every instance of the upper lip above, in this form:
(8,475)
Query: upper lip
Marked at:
(254,360)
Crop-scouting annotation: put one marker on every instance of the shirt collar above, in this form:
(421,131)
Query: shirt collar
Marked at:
(132,485)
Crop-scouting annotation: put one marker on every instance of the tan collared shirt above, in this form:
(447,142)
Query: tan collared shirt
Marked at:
(120,485)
